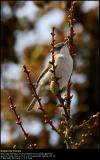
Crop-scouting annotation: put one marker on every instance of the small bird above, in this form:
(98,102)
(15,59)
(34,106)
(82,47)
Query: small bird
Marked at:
(64,68)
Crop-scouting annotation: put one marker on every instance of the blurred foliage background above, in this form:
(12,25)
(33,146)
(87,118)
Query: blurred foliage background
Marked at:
(25,36)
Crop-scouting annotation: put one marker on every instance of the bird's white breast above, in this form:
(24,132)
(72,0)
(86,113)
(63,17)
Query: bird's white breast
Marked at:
(64,69)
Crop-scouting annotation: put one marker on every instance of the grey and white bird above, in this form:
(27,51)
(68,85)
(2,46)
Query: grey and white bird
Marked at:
(64,68)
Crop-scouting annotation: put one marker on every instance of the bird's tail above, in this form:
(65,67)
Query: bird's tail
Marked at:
(31,105)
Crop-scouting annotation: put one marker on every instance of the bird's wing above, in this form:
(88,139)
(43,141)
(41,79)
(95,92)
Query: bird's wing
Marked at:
(42,74)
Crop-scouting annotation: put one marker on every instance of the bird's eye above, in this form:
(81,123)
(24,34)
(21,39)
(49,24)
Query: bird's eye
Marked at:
(58,48)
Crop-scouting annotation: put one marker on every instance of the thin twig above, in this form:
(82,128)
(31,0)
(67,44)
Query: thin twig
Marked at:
(58,95)
(47,120)
(71,21)
(19,122)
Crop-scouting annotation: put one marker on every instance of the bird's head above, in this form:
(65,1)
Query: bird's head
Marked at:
(61,48)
